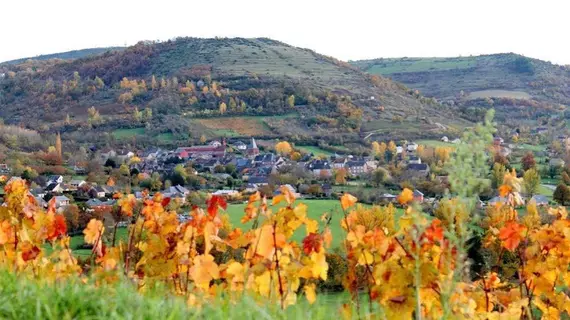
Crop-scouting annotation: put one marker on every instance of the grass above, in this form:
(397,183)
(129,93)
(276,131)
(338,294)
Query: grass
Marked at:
(403,65)
(166,136)
(314,150)
(314,211)
(29,298)
(433,143)
(236,126)
(499,94)
(77,241)
(127,133)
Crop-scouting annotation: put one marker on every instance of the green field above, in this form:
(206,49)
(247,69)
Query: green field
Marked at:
(314,150)
(314,211)
(389,66)
(127,133)
(166,136)
(433,143)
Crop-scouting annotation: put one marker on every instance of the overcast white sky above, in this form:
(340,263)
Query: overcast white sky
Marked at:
(353,29)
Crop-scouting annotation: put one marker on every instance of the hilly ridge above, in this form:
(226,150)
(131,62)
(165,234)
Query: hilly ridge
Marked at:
(283,90)
(517,85)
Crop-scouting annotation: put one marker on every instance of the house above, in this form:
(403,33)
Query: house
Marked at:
(412,147)
(242,164)
(257,181)
(226,193)
(77,183)
(267,159)
(205,152)
(327,189)
(79,169)
(123,155)
(456,141)
(215,143)
(178,189)
(61,201)
(356,167)
(414,160)
(418,196)
(496,200)
(320,168)
(399,150)
(252,149)
(206,164)
(387,197)
(4,168)
(540,200)
(239,145)
(41,202)
(38,192)
(418,169)
(97,192)
(54,179)
(54,188)
(445,139)
(339,163)
(497,141)
(106,154)
(556,162)
(149,154)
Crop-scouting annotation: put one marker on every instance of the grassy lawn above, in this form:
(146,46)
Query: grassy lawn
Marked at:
(127,133)
(433,143)
(533,148)
(314,150)
(166,136)
(403,65)
(314,211)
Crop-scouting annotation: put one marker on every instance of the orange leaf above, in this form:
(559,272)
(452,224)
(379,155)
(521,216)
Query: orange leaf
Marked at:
(214,203)
(511,235)
(406,196)
(347,200)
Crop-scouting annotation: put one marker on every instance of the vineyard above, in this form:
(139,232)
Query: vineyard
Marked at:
(460,262)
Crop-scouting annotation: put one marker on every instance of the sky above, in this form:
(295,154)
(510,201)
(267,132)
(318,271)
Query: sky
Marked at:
(347,30)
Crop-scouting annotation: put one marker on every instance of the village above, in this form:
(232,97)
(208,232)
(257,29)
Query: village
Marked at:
(237,169)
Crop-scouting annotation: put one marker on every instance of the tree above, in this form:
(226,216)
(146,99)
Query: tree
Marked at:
(392,151)
(378,177)
(147,116)
(375,148)
(291,101)
(153,83)
(233,104)
(155,183)
(93,116)
(497,175)
(202,139)
(126,97)
(99,84)
(71,214)
(283,148)
(58,145)
(531,181)
(561,194)
(223,108)
(137,115)
(340,176)
(565,178)
(528,161)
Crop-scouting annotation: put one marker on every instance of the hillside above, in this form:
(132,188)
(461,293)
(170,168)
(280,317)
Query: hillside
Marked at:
(509,81)
(74,54)
(169,92)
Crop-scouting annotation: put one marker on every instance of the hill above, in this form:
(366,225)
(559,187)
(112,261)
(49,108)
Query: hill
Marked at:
(170,92)
(74,54)
(509,82)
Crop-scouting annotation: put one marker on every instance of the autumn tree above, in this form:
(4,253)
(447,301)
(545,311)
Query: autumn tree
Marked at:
(565,178)
(153,83)
(58,148)
(126,97)
(283,148)
(202,139)
(392,151)
(291,101)
(531,180)
(99,84)
(528,161)
(375,148)
(93,116)
(561,194)
(147,115)
(340,176)
(378,177)
(223,108)
(137,115)
(497,175)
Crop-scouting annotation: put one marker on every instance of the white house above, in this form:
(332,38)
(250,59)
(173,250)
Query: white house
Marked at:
(77,183)
(226,193)
(61,201)
(412,147)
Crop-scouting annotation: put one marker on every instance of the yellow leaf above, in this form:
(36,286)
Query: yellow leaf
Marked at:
(310,292)
(278,199)
(93,231)
(365,258)
(312,226)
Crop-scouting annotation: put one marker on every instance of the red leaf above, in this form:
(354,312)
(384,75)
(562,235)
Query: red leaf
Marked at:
(59,227)
(31,254)
(312,243)
(214,203)
(165,202)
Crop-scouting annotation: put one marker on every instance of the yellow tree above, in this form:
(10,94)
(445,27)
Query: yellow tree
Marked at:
(291,101)
(223,108)
(283,148)
(153,83)
(393,150)
(375,148)
(58,145)
(340,176)
(203,139)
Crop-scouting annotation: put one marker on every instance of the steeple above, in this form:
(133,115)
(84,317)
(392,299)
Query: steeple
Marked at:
(253,144)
